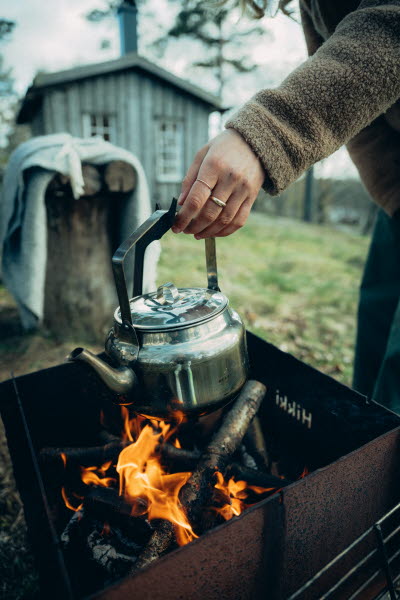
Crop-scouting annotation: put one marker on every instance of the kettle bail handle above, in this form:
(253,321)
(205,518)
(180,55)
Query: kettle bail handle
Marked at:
(152,229)
(211,264)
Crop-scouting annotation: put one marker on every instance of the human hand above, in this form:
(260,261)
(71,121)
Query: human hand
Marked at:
(227,169)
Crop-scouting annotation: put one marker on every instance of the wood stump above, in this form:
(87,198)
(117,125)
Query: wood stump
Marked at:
(80,296)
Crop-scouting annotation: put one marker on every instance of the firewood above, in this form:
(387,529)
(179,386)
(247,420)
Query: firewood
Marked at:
(255,477)
(85,457)
(92,182)
(159,542)
(255,444)
(179,459)
(105,504)
(197,492)
(105,437)
(119,176)
(246,459)
(110,549)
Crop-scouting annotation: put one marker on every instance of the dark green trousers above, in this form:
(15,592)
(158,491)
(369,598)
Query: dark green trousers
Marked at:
(377,358)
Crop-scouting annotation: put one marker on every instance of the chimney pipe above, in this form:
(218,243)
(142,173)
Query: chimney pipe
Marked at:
(127,16)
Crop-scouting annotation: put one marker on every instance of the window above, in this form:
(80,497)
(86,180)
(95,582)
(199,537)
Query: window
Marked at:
(169,150)
(99,124)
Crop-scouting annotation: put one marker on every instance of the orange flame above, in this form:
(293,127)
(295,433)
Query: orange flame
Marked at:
(304,473)
(235,493)
(144,482)
(95,475)
(149,488)
(68,503)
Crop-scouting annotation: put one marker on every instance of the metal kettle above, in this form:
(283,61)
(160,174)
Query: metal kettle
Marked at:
(176,349)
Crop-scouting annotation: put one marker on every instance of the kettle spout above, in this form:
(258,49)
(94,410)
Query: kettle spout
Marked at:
(120,380)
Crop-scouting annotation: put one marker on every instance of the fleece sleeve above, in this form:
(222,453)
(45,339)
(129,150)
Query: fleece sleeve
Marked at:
(350,80)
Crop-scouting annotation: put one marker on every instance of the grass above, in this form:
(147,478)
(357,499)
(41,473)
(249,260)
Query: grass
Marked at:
(294,284)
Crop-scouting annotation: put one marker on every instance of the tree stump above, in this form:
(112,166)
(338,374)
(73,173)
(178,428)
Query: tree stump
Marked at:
(80,296)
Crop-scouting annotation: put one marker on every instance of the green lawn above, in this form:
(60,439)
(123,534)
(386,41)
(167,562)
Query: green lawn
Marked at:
(294,284)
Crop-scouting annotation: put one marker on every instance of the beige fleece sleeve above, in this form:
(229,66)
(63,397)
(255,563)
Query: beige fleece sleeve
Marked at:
(350,80)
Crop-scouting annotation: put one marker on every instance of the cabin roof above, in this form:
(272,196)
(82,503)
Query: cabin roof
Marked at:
(132,61)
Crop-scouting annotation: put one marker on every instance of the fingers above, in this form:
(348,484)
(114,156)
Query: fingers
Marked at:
(227,169)
(230,219)
(192,174)
(210,210)
(196,197)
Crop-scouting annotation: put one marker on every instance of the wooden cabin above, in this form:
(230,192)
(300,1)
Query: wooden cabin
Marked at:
(131,102)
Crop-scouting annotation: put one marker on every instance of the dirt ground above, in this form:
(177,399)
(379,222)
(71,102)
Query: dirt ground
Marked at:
(19,354)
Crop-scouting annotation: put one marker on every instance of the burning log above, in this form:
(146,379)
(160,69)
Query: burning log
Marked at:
(179,458)
(159,542)
(255,477)
(106,505)
(86,457)
(197,492)
(111,550)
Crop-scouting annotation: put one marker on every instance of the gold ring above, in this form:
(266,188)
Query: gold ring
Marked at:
(205,183)
(218,202)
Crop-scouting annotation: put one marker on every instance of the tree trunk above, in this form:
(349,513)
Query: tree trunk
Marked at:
(80,296)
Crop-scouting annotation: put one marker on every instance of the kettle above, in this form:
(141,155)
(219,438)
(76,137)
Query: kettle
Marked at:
(177,351)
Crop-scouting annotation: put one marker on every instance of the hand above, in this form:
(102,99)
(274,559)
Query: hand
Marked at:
(232,173)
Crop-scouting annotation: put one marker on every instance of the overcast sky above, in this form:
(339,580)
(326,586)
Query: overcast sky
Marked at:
(54,35)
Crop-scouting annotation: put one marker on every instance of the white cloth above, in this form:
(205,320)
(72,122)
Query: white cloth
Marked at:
(23,229)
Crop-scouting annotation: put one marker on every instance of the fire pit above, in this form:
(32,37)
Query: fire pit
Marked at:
(301,542)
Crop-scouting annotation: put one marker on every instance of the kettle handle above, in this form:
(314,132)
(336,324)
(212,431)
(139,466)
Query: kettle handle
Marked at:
(152,229)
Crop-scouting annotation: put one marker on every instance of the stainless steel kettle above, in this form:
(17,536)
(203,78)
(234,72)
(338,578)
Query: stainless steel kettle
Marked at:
(177,349)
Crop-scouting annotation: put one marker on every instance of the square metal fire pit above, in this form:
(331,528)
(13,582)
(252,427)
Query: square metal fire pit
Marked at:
(349,444)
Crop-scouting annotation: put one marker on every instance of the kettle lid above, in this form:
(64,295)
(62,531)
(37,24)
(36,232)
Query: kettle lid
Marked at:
(173,308)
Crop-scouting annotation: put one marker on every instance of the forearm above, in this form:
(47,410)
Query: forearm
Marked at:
(344,86)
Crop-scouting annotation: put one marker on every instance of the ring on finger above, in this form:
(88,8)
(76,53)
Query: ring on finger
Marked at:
(205,183)
(217,201)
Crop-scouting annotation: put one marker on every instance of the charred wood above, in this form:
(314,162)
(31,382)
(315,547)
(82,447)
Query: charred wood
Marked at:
(112,550)
(179,459)
(198,491)
(247,459)
(255,444)
(255,477)
(105,437)
(86,457)
(160,541)
(105,504)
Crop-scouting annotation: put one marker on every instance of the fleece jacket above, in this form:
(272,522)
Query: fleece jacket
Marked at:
(347,92)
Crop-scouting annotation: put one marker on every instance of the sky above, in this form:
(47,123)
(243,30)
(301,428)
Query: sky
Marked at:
(51,36)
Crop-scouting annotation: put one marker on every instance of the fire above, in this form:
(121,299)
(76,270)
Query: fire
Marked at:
(68,503)
(95,475)
(144,482)
(149,488)
(235,493)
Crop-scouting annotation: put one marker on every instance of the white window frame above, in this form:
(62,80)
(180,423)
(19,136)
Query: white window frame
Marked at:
(93,124)
(169,150)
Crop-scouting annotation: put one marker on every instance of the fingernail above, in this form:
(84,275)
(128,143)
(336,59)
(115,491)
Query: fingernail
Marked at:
(180,199)
(175,229)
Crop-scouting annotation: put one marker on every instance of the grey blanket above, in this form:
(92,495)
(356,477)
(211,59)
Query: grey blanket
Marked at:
(23,231)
